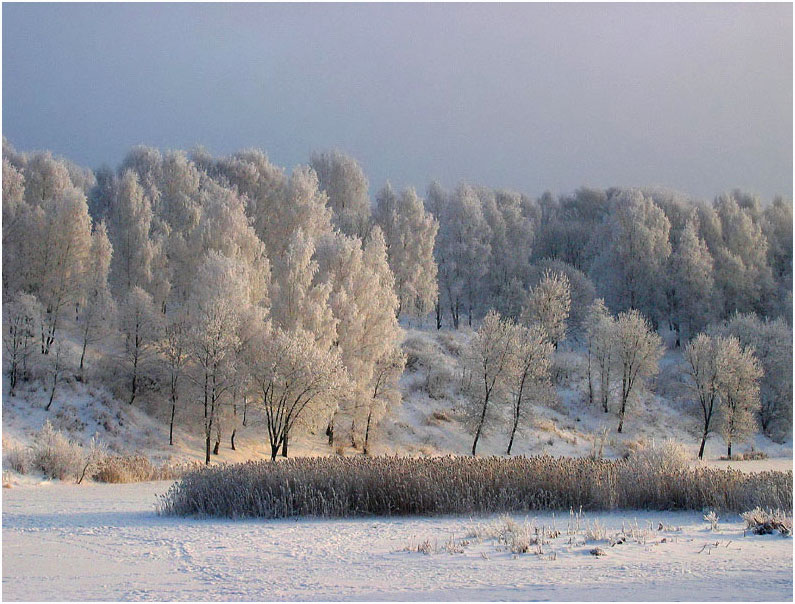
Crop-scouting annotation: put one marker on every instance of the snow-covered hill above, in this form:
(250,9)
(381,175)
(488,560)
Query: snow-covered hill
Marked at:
(428,422)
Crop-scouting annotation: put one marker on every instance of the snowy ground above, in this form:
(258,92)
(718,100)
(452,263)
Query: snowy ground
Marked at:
(104,542)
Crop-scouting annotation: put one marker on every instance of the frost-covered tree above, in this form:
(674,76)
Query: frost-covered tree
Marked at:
(129,226)
(410,234)
(462,252)
(56,248)
(174,347)
(14,213)
(548,305)
(638,350)
(600,330)
(299,301)
(742,274)
(139,326)
(364,305)
(630,269)
(219,296)
(384,391)
(529,379)
(582,290)
(738,387)
(264,186)
(777,227)
(772,345)
(705,360)
(223,227)
(488,361)
(692,282)
(297,381)
(102,195)
(96,312)
(20,324)
(344,182)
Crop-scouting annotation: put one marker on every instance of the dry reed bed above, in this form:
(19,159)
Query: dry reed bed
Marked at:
(362,486)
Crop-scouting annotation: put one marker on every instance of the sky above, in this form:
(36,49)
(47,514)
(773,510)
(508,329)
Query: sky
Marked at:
(529,97)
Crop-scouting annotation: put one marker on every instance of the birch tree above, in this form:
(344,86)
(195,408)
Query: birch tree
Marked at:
(600,335)
(97,309)
(296,382)
(704,360)
(529,378)
(20,317)
(739,393)
(410,233)
(488,361)
(638,351)
(548,305)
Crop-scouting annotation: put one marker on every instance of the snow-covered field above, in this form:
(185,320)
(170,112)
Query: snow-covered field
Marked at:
(105,542)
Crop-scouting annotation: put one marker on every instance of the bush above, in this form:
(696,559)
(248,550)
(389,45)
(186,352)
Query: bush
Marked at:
(354,486)
(55,455)
(16,457)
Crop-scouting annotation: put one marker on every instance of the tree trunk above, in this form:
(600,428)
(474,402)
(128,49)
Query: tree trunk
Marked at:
(52,394)
(207,449)
(232,438)
(134,384)
(82,358)
(284,445)
(730,450)
(590,379)
(621,414)
(438,308)
(330,433)
(173,413)
(367,433)
(480,426)
(701,449)
(216,447)
(245,408)
(513,433)
(274,451)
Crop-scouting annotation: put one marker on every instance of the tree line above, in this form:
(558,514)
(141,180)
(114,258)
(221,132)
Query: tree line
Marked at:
(229,286)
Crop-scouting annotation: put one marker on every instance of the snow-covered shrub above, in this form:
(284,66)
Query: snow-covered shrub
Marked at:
(766,522)
(16,457)
(712,518)
(55,455)
(352,486)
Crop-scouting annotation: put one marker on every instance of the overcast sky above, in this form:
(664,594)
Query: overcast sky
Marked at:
(533,97)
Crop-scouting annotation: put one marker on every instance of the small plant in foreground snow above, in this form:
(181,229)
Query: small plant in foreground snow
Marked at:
(712,518)
(766,522)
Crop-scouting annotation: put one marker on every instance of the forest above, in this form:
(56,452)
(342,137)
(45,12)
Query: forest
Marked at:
(217,292)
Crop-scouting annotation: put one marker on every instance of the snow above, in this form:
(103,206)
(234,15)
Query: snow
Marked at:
(105,542)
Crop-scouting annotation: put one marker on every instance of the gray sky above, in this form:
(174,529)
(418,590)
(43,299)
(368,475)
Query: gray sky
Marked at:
(530,97)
